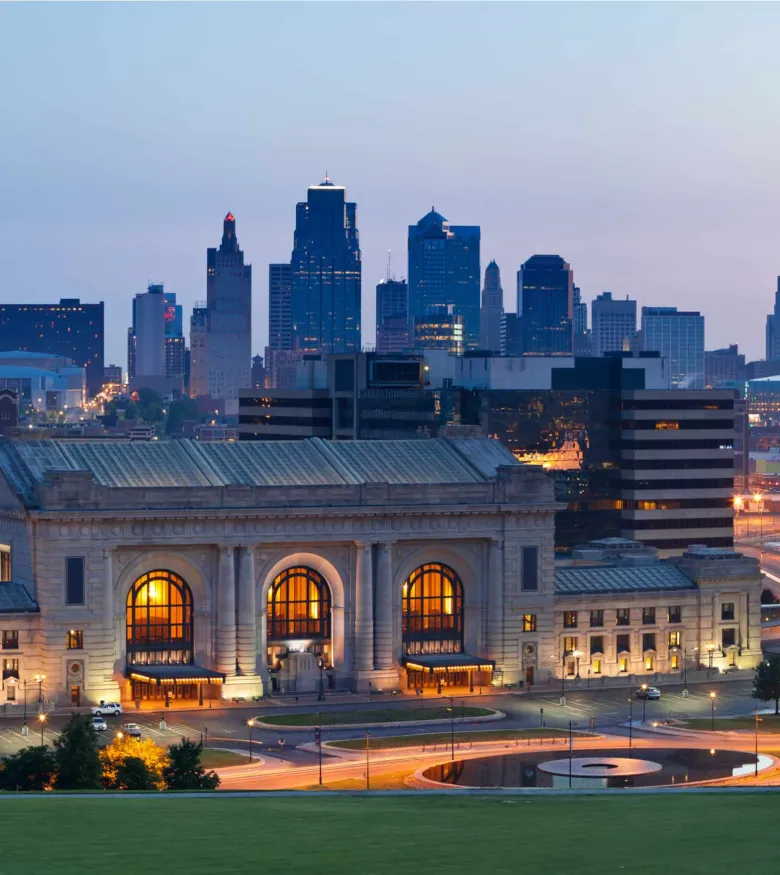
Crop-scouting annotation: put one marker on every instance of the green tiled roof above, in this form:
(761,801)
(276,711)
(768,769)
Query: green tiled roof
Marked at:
(598,579)
(15,599)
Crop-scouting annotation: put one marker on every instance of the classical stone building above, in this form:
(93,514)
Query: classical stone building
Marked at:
(146,570)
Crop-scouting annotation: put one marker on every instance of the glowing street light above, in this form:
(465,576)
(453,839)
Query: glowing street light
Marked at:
(250,723)
(42,720)
(713,696)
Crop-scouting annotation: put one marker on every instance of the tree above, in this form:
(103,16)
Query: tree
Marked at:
(184,771)
(133,774)
(32,768)
(114,757)
(77,756)
(180,410)
(766,683)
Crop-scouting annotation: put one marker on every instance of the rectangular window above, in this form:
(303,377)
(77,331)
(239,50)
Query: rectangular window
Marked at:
(597,644)
(11,639)
(596,666)
(10,669)
(529,580)
(675,638)
(10,692)
(624,644)
(728,638)
(648,641)
(727,611)
(74,580)
(529,622)
(675,661)
(5,564)
(649,663)
(569,645)
(623,616)
(75,640)
(675,614)
(596,618)
(623,664)
(569,619)
(648,616)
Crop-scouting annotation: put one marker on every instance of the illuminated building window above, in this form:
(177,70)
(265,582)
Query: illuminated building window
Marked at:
(569,619)
(596,666)
(675,638)
(569,645)
(299,606)
(675,662)
(433,611)
(667,426)
(649,663)
(5,564)
(74,640)
(529,622)
(623,664)
(159,620)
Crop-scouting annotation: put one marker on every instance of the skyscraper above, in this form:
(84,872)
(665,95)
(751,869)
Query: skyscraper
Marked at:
(679,336)
(146,336)
(392,316)
(545,305)
(69,328)
(174,337)
(444,273)
(773,330)
(491,315)
(279,306)
(229,306)
(326,273)
(613,323)
(199,360)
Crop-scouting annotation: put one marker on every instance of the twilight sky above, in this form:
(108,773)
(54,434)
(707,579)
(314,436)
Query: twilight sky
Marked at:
(639,141)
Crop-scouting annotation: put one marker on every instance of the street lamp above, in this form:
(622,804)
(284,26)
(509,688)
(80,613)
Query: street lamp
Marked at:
(644,702)
(25,729)
(563,673)
(250,723)
(739,504)
(713,696)
(321,690)
(577,654)
(42,719)
(451,709)
(710,652)
(630,723)
(758,720)
(39,679)
(759,499)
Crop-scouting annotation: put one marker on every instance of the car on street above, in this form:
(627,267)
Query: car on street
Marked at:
(131,729)
(645,692)
(99,724)
(107,709)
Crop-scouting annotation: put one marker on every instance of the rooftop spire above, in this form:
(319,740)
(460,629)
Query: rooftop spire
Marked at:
(229,239)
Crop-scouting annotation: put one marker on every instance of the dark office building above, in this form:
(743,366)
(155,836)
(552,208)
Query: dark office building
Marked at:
(392,316)
(326,273)
(279,304)
(444,273)
(545,306)
(69,328)
(723,365)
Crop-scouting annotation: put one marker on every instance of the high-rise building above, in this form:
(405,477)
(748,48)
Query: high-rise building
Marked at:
(392,316)
(199,361)
(678,335)
(545,306)
(229,305)
(112,374)
(613,323)
(69,328)
(492,328)
(146,336)
(723,366)
(258,372)
(442,329)
(580,324)
(444,273)
(326,273)
(773,330)
(279,306)
(174,337)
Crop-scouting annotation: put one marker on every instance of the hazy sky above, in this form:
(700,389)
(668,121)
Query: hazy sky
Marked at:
(639,141)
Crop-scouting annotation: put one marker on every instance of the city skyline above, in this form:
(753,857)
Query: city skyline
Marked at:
(653,194)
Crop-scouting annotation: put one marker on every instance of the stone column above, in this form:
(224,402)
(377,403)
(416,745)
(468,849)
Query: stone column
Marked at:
(226,612)
(385,599)
(108,593)
(495,601)
(246,633)
(364,610)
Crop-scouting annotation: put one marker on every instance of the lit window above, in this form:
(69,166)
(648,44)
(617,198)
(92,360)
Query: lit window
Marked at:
(623,664)
(649,662)
(570,620)
(667,426)
(5,564)
(74,639)
(529,622)
(11,639)
(675,638)
(675,661)
(596,666)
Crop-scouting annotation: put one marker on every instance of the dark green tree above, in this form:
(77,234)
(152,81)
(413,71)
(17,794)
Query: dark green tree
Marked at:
(32,768)
(766,683)
(132,774)
(180,410)
(150,406)
(78,760)
(185,771)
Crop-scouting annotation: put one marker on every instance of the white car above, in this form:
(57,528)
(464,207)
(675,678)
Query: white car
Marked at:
(107,709)
(131,729)
(648,693)
(99,724)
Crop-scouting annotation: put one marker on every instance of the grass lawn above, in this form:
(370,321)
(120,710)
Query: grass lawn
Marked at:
(393,741)
(373,715)
(317,833)
(213,758)
(767,723)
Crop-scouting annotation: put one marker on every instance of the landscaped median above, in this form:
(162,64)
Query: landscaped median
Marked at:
(483,736)
(377,717)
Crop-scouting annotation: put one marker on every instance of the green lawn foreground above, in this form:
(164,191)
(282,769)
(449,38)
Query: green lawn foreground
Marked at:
(690,834)
(373,715)
(766,723)
(461,738)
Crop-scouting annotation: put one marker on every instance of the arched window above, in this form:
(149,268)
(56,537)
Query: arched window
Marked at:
(298,606)
(159,620)
(433,611)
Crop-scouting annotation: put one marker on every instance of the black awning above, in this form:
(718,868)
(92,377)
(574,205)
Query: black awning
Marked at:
(448,662)
(174,674)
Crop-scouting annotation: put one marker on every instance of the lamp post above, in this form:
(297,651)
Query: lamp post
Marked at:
(451,709)
(571,750)
(250,723)
(577,655)
(42,719)
(25,730)
(319,743)
(758,720)
(321,690)
(713,696)
(39,679)
(644,702)
(563,673)
(759,498)
(710,652)
(368,762)
(630,724)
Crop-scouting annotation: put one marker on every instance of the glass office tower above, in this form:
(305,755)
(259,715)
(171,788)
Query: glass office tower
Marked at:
(545,306)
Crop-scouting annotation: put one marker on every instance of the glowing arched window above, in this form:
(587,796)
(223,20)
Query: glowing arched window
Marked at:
(298,605)
(159,619)
(433,610)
